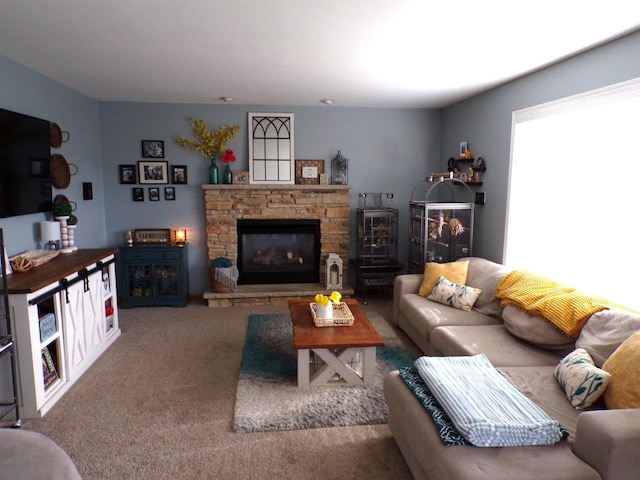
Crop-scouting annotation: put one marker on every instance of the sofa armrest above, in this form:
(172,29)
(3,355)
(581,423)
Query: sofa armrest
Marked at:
(609,441)
(403,284)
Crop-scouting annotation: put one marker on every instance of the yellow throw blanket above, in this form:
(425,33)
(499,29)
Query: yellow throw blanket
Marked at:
(565,307)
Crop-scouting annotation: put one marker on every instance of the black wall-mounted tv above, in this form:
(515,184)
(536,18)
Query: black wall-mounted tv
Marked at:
(25,172)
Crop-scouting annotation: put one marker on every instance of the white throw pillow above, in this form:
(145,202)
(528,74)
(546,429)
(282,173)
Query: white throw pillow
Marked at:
(583,383)
(454,295)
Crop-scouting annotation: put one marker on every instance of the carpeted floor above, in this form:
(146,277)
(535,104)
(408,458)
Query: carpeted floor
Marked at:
(159,405)
(268,398)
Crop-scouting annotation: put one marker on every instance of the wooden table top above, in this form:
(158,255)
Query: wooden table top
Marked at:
(63,265)
(307,336)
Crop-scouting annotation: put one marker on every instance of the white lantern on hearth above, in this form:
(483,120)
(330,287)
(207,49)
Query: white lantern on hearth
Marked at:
(334,271)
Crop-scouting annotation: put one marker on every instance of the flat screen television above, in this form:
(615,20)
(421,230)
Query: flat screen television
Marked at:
(25,172)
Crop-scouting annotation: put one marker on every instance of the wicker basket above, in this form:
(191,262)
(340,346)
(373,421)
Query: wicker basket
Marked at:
(342,316)
(216,286)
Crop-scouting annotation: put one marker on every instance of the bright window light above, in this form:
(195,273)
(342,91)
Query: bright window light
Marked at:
(574,192)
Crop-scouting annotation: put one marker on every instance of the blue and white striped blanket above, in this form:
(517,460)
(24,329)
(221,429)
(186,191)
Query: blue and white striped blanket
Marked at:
(484,407)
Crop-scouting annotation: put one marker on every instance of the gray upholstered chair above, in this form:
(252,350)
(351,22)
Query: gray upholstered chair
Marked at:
(26,455)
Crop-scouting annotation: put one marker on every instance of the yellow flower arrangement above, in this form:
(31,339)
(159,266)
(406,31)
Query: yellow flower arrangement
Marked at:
(208,143)
(324,300)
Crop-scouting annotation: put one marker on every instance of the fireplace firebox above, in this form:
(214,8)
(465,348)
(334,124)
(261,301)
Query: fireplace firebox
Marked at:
(278,251)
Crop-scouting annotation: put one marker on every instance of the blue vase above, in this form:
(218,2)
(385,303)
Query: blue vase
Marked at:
(227,177)
(213,172)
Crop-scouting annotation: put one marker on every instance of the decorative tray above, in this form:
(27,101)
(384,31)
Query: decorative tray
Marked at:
(342,316)
(32,258)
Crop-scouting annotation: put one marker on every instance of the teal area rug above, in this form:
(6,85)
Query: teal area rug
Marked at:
(268,398)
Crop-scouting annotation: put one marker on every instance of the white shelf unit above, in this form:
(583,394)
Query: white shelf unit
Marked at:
(85,314)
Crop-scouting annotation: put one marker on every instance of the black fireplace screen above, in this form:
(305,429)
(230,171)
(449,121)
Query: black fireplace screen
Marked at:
(278,251)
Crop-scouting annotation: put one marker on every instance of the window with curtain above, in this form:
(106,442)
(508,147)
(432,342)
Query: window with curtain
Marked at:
(573,209)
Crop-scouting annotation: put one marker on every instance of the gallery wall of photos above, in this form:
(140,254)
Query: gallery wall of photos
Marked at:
(152,174)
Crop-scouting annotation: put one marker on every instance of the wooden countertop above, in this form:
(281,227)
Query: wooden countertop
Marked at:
(60,267)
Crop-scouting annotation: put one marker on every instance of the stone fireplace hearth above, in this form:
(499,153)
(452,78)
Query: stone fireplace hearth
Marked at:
(226,204)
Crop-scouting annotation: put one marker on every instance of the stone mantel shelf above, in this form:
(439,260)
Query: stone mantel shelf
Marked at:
(276,187)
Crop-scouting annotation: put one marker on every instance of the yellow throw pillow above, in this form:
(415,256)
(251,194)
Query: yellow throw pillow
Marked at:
(455,272)
(624,366)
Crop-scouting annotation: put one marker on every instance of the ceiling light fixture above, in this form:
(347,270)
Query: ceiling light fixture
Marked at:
(327,101)
(226,99)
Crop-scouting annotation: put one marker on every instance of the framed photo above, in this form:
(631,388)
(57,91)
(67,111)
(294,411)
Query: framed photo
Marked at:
(240,178)
(127,174)
(309,171)
(152,149)
(138,194)
(156,235)
(179,174)
(463,149)
(154,194)
(169,193)
(153,171)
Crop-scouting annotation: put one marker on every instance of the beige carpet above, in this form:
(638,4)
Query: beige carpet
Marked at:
(159,405)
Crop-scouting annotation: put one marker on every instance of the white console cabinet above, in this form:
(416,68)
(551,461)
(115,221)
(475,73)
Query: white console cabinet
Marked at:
(65,316)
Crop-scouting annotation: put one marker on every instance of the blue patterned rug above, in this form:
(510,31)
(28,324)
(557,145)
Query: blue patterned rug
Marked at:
(268,398)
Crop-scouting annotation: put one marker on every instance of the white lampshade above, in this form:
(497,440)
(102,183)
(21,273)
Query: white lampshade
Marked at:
(49,232)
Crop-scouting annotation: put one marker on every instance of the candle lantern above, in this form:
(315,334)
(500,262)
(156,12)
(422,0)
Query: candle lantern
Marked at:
(181,236)
(334,272)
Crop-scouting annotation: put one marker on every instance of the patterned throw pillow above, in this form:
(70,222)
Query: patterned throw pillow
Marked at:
(581,380)
(454,295)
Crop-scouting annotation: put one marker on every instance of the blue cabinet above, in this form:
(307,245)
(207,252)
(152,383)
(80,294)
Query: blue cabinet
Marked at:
(153,275)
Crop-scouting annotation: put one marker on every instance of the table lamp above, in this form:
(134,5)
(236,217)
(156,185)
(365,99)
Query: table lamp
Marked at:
(49,235)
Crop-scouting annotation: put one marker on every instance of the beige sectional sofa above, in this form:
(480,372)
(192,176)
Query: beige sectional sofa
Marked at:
(603,443)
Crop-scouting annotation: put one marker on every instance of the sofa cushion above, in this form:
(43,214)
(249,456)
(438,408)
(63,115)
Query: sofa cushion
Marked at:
(605,331)
(535,330)
(502,348)
(454,295)
(455,272)
(583,383)
(428,457)
(425,315)
(624,366)
(486,275)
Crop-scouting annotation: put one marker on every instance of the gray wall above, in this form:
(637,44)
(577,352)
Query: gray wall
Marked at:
(485,122)
(25,91)
(388,151)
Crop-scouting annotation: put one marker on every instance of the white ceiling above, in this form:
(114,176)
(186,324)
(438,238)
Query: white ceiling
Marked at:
(365,53)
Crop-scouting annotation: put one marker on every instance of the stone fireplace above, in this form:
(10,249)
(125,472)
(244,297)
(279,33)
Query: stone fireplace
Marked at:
(226,204)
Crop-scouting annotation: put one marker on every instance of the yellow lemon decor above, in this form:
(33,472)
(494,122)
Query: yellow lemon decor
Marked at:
(323,300)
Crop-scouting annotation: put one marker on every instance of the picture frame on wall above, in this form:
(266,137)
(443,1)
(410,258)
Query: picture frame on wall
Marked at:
(169,193)
(152,149)
(153,172)
(127,174)
(154,194)
(138,194)
(179,174)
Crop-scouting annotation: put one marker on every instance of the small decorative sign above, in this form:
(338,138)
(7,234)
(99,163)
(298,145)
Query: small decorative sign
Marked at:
(159,235)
